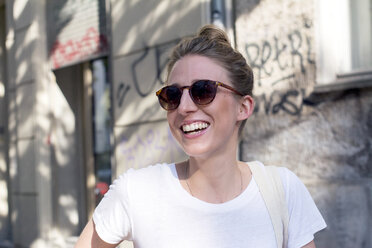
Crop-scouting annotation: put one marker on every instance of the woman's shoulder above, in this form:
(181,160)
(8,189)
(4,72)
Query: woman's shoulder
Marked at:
(141,179)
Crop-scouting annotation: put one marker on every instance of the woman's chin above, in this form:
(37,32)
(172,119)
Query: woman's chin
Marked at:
(195,150)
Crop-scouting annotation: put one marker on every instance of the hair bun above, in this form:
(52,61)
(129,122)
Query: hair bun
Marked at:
(212,32)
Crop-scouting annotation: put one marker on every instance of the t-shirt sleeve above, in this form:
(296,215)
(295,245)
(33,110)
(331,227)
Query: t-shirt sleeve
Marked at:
(304,217)
(111,216)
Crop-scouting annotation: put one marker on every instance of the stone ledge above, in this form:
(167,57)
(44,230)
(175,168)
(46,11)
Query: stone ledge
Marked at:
(347,81)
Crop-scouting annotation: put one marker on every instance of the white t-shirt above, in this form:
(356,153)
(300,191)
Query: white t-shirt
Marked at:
(150,207)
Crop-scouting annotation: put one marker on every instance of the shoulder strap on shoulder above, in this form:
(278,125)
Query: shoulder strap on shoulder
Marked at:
(272,192)
(273,170)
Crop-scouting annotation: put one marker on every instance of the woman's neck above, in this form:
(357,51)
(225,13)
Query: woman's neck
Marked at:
(216,180)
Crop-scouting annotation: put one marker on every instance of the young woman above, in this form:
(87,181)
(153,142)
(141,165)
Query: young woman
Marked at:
(210,200)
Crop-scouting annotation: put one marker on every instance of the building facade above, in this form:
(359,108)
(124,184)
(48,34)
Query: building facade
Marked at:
(78,106)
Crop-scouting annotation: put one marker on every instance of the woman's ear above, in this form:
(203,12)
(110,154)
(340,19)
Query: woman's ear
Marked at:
(246,107)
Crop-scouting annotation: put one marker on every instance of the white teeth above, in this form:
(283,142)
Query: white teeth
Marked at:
(194,126)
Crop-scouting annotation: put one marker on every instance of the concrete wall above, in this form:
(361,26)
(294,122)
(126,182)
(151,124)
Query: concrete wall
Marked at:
(142,34)
(324,138)
(21,123)
(28,106)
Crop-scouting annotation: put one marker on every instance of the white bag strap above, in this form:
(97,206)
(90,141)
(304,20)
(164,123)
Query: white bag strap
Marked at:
(272,192)
(273,170)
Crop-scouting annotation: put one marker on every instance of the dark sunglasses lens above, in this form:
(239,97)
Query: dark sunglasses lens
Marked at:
(170,97)
(203,92)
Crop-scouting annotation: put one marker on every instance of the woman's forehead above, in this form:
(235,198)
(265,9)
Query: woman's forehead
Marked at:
(194,67)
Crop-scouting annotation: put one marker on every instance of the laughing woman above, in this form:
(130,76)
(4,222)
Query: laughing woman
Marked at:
(212,199)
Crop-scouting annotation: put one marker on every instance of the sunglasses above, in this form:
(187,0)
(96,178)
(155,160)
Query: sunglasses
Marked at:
(202,92)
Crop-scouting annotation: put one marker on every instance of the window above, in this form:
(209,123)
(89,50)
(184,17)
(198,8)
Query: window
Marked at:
(361,34)
(344,44)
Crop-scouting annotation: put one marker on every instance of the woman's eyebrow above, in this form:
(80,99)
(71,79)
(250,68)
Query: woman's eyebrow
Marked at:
(172,84)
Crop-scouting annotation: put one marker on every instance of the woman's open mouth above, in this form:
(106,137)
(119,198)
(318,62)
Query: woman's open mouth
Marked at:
(194,128)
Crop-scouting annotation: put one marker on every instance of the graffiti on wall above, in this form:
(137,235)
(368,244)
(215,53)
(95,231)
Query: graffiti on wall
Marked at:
(139,88)
(283,68)
(273,55)
(289,101)
(92,43)
(148,146)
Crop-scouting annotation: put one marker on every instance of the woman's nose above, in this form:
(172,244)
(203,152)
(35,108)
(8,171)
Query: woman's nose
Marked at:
(186,103)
